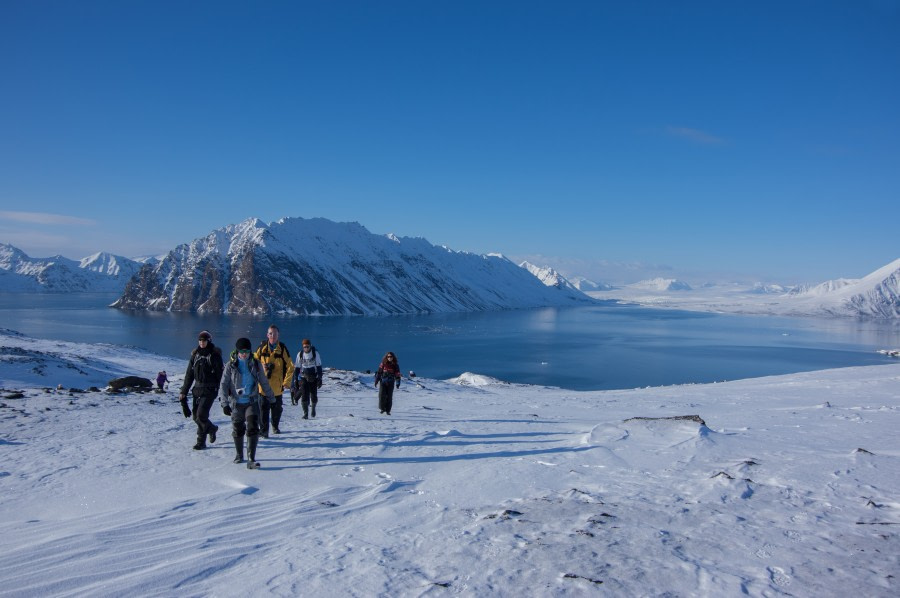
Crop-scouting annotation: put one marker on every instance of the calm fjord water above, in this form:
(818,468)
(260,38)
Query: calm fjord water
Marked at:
(584,348)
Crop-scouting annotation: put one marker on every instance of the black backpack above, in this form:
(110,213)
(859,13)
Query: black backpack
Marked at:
(204,370)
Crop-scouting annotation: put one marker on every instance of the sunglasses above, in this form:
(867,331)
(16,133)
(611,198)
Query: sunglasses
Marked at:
(244,352)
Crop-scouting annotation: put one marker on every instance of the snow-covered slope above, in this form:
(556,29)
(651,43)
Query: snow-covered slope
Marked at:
(583,284)
(319,267)
(111,265)
(662,284)
(101,272)
(874,296)
(552,278)
(778,486)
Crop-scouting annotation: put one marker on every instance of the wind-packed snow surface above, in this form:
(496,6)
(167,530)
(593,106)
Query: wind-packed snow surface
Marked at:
(776,486)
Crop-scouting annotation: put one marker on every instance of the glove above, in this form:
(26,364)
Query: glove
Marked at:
(397,385)
(318,383)
(226,410)
(185,409)
(376,384)
(182,398)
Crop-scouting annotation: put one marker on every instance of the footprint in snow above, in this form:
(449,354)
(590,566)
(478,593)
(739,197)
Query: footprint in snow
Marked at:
(779,577)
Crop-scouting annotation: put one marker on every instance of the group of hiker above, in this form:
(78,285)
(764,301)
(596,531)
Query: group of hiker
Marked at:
(251,386)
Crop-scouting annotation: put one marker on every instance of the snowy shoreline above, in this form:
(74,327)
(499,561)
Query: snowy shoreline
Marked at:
(472,487)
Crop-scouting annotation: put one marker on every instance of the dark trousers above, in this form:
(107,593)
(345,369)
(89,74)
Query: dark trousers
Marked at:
(308,392)
(386,394)
(203,401)
(265,408)
(245,419)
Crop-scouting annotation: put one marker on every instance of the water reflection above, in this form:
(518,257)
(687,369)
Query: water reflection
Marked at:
(596,347)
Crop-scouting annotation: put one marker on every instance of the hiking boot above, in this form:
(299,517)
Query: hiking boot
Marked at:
(212,435)
(251,453)
(199,446)
(239,450)
(305,416)
(314,411)
(276,430)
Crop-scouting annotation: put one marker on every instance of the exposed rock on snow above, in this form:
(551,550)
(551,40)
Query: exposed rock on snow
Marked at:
(130,382)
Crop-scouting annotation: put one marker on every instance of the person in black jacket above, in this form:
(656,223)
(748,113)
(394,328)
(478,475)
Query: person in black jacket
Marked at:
(204,372)
(386,378)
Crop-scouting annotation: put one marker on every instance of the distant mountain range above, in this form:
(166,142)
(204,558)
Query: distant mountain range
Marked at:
(874,296)
(101,272)
(662,284)
(320,267)
(583,284)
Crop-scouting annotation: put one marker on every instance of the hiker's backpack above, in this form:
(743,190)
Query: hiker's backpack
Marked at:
(204,368)
(263,350)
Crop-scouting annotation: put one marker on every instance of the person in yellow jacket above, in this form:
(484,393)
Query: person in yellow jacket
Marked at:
(279,368)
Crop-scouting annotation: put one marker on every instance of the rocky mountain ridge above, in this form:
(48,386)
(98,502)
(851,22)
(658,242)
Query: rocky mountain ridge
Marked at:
(319,267)
(101,272)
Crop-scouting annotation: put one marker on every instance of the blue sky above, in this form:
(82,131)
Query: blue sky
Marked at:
(707,139)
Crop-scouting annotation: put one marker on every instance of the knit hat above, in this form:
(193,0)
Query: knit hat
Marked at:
(204,335)
(243,344)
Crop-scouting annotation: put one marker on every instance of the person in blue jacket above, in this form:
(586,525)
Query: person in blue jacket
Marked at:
(239,393)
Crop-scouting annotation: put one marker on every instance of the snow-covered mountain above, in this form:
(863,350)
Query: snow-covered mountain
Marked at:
(824,288)
(101,272)
(761,288)
(552,278)
(319,267)
(876,295)
(662,284)
(583,284)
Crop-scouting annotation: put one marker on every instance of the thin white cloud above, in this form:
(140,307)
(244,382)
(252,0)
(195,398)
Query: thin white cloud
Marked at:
(695,135)
(45,218)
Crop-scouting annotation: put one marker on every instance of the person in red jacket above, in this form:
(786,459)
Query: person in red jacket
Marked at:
(386,378)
